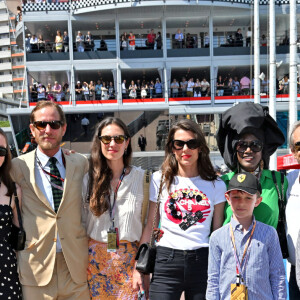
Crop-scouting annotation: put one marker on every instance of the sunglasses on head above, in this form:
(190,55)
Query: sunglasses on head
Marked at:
(41,125)
(106,139)
(297,146)
(242,146)
(192,144)
(3,151)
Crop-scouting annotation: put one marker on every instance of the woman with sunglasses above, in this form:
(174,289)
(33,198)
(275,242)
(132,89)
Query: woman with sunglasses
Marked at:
(113,200)
(247,137)
(191,203)
(10,287)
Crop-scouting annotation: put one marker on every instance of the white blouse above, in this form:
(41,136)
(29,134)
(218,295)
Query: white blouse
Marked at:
(128,210)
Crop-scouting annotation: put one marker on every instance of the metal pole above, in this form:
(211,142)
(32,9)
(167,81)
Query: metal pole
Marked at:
(164,36)
(272,72)
(119,84)
(117,31)
(256,53)
(293,65)
(70,34)
(272,69)
(213,76)
(166,84)
(72,86)
(13,134)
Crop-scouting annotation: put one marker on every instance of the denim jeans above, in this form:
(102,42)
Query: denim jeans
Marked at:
(293,287)
(178,271)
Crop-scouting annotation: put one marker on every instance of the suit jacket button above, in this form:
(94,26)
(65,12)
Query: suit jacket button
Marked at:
(55,239)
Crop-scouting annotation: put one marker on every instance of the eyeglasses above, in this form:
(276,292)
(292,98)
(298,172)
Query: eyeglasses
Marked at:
(192,144)
(41,125)
(297,146)
(3,151)
(106,139)
(242,146)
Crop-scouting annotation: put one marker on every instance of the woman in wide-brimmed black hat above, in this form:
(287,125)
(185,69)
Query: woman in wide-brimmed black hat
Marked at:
(247,137)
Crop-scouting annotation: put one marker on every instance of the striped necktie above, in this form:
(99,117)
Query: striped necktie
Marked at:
(56,192)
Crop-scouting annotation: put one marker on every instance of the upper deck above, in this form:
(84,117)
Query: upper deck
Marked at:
(209,23)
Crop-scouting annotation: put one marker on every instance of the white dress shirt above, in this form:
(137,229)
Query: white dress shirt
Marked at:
(43,180)
(292,213)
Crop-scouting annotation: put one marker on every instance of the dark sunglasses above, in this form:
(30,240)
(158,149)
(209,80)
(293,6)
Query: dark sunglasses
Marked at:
(297,146)
(255,146)
(41,125)
(192,144)
(106,139)
(3,151)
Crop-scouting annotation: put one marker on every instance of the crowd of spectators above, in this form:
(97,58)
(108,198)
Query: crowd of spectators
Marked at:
(55,92)
(190,88)
(233,86)
(141,89)
(82,43)
(36,44)
(225,86)
(237,39)
(153,40)
(102,90)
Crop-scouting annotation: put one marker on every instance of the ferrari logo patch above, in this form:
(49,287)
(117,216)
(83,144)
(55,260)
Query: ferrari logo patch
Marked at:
(241,177)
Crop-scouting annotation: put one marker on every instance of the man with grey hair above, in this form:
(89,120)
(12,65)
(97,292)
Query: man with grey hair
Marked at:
(292,215)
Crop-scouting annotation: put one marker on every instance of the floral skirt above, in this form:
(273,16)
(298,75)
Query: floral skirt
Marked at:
(110,274)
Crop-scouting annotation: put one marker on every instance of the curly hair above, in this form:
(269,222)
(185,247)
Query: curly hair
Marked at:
(5,168)
(100,173)
(170,164)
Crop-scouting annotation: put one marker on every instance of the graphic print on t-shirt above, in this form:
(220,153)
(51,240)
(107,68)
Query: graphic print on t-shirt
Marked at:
(186,207)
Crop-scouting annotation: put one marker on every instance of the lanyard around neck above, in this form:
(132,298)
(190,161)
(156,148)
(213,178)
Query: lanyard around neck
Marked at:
(52,175)
(240,267)
(48,173)
(112,207)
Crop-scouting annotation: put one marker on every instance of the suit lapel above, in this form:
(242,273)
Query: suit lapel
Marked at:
(29,174)
(70,169)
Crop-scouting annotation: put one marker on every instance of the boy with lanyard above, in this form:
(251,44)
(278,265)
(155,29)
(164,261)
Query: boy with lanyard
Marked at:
(245,260)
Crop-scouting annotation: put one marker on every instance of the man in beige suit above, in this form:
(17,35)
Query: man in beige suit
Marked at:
(53,264)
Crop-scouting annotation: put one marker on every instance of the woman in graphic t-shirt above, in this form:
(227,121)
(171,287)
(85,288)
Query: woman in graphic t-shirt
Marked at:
(192,200)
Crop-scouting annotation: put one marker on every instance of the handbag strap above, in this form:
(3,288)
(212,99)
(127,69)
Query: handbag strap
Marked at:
(281,203)
(156,211)
(18,207)
(145,204)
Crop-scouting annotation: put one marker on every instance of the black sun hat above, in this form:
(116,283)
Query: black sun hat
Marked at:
(245,182)
(247,117)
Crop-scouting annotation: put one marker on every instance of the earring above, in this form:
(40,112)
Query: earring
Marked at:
(261,165)
(125,151)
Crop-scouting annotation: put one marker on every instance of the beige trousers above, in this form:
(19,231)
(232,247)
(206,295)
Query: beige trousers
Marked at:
(60,287)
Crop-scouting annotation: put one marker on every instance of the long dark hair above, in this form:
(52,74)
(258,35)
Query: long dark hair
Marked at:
(100,173)
(5,168)
(170,164)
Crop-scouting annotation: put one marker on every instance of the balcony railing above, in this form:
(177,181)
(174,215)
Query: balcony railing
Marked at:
(5,66)
(6,78)
(5,54)
(4,42)
(6,90)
